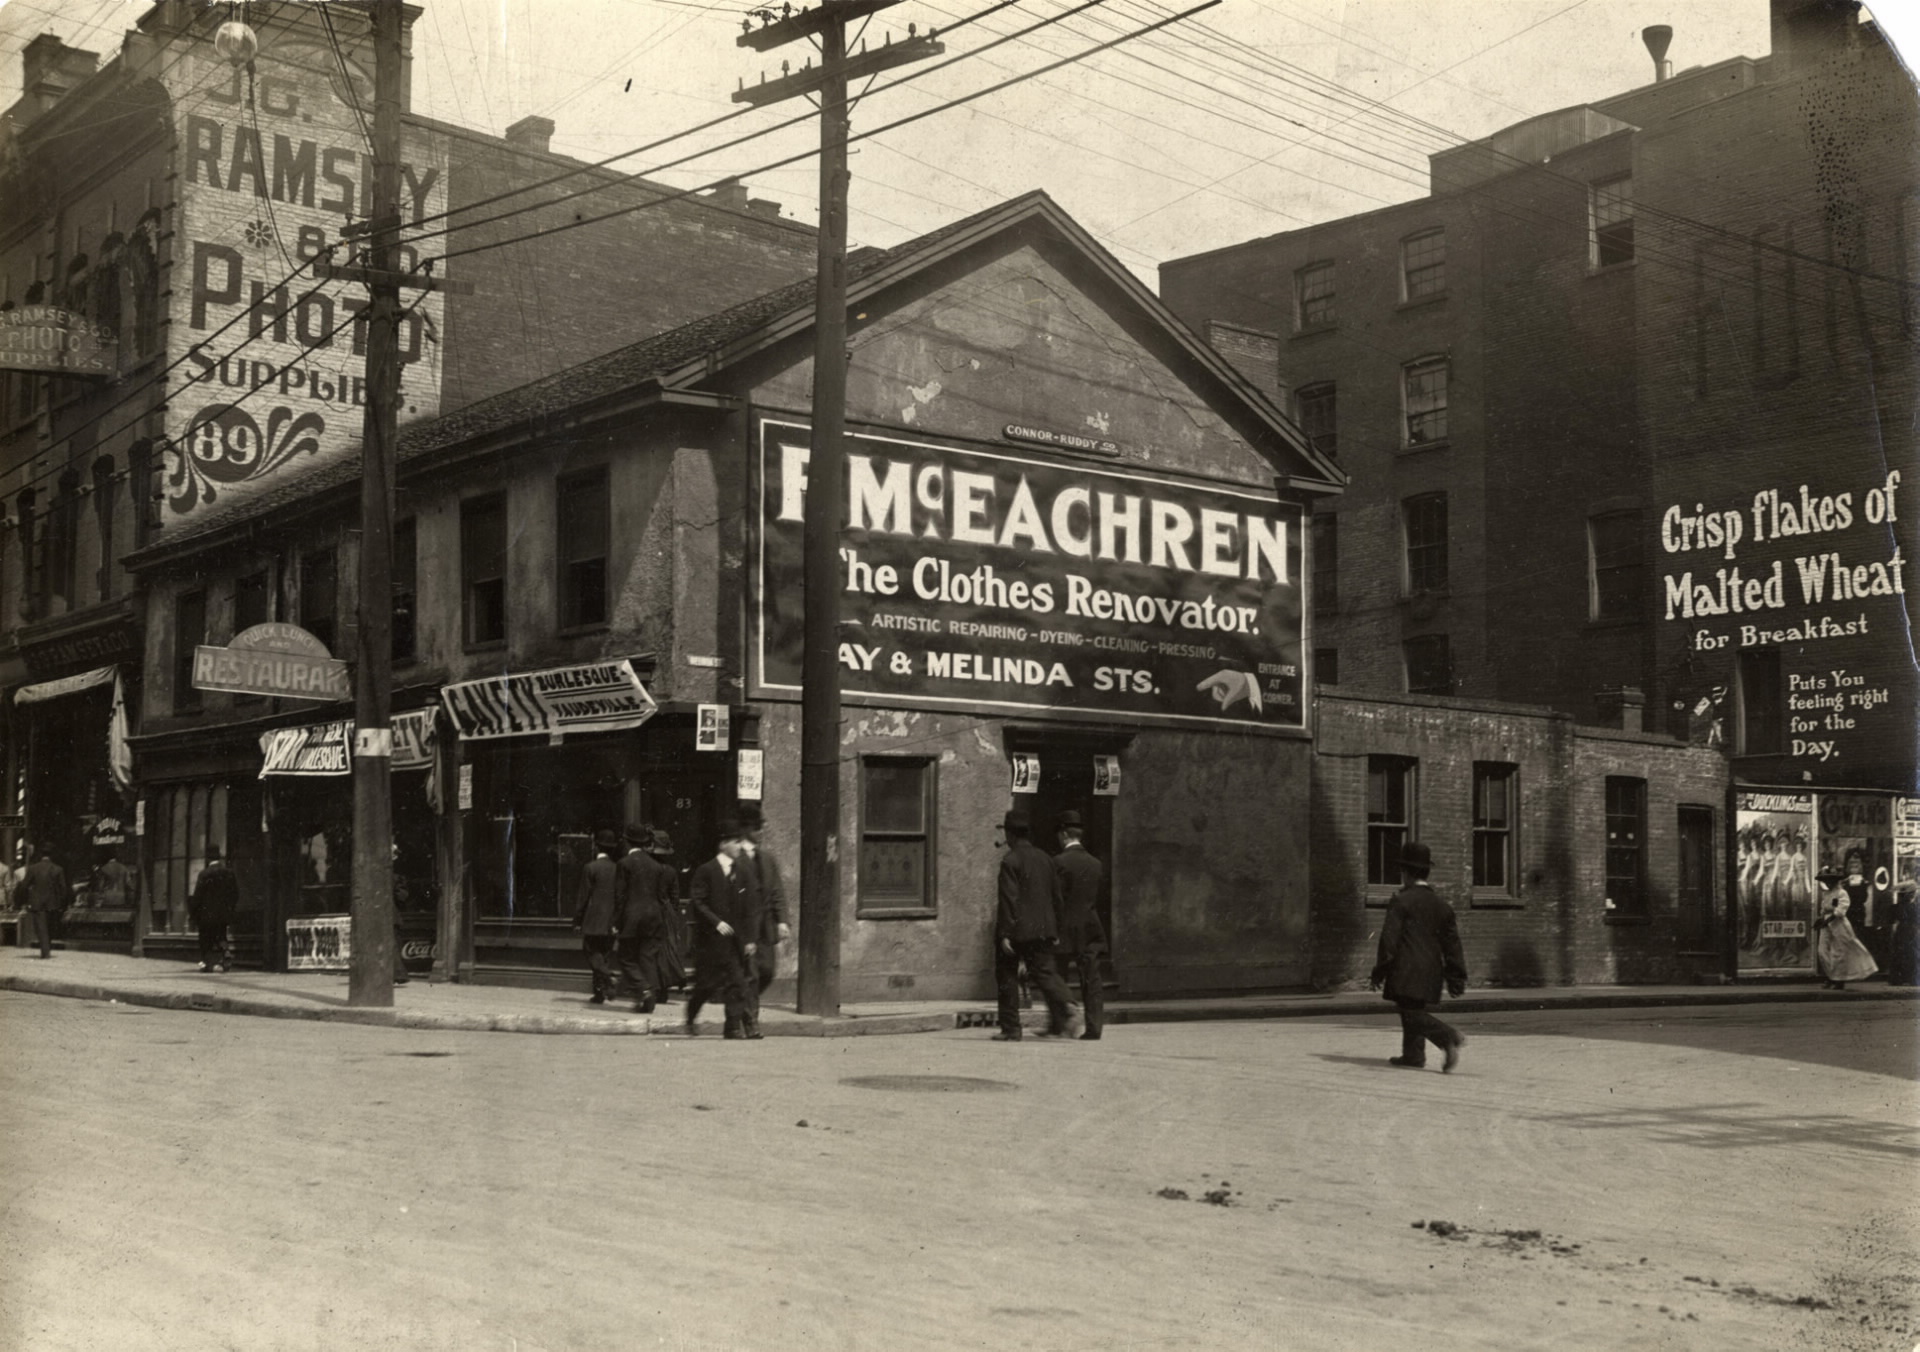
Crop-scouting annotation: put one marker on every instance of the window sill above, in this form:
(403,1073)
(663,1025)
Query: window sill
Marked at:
(896,913)
(1416,447)
(1438,298)
(492,645)
(581,630)
(1317,330)
(1496,901)
(1617,918)
(1610,269)
(1379,894)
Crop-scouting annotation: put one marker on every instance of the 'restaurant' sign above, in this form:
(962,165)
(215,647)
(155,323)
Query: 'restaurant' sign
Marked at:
(1000,580)
(272,659)
(53,341)
(599,697)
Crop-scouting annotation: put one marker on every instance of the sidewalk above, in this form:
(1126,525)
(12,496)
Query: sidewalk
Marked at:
(508,1009)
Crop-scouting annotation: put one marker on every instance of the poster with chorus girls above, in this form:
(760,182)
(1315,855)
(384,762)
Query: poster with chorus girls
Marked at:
(1773,882)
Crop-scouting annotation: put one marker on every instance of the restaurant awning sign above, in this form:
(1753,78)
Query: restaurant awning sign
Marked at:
(318,749)
(280,660)
(598,697)
(55,341)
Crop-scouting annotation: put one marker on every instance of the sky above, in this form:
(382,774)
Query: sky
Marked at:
(1252,117)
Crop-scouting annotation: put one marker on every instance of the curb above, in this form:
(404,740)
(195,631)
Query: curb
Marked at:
(889,1024)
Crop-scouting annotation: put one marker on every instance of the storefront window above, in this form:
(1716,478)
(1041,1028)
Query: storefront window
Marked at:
(537,811)
(897,812)
(181,823)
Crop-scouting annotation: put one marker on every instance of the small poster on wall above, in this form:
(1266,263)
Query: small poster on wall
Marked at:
(1026,773)
(466,788)
(748,778)
(710,732)
(1106,776)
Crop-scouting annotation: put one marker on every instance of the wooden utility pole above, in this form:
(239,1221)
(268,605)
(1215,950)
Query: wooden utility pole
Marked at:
(370,975)
(819,976)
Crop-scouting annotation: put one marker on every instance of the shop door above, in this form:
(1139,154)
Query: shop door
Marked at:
(1698,930)
(1066,785)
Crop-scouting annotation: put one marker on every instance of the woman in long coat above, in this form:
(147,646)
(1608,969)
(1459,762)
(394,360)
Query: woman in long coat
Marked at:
(1841,955)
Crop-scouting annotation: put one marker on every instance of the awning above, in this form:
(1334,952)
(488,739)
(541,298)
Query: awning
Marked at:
(321,749)
(599,697)
(66,685)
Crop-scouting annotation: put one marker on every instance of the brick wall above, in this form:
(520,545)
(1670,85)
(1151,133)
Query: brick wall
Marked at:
(1550,926)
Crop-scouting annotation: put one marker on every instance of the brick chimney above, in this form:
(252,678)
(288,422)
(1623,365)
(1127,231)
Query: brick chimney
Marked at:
(532,133)
(49,70)
(1807,31)
(1621,706)
(731,194)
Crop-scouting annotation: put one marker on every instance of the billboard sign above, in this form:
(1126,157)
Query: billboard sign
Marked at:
(1003,580)
(1790,601)
(273,165)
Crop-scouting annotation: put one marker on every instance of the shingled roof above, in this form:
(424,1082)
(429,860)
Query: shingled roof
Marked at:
(677,355)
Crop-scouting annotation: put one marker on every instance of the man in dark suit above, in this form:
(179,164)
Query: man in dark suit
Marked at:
(45,894)
(727,913)
(215,899)
(773,899)
(1025,924)
(1420,947)
(645,890)
(1082,937)
(594,914)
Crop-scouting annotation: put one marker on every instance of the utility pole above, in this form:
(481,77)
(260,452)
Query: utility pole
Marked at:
(826,23)
(371,965)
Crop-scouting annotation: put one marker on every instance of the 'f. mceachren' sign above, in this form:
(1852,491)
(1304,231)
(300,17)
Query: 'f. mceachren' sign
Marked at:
(1002,581)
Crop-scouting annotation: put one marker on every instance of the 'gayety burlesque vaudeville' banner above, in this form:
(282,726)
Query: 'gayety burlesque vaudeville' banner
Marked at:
(1000,580)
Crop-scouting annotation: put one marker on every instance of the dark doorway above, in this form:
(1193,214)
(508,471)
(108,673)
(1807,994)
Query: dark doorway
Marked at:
(1698,927)
(1066,784)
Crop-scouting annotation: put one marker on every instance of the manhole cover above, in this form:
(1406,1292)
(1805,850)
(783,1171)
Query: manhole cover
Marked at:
(928,1084)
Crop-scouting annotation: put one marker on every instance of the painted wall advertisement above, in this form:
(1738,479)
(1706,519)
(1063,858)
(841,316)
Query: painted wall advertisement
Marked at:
(1793,600)
(1774,886)
(273,163)
(995,579)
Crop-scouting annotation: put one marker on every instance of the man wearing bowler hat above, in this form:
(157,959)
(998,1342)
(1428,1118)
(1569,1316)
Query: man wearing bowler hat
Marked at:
(773,898)
(1023,932)
(594,916)
(1419,948)
(644,892)
(1082,939)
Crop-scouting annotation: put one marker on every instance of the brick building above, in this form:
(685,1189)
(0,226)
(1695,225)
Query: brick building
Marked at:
(1074,580)
(155,211)
(1628,402)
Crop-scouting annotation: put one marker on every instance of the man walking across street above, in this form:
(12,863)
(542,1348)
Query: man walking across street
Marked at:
(215,899)
(44,893)
(725,898)
(594,916)
(1023,932)
(773,900)
(645,889)
(1419,948)
(1082,938)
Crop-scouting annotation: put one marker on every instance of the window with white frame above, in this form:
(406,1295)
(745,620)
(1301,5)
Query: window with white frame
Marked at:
(1424,396)
(1423,265)
(1313,290)
(1612,211)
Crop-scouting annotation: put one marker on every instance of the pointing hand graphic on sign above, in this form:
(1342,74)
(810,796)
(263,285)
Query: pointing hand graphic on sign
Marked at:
(1230,687)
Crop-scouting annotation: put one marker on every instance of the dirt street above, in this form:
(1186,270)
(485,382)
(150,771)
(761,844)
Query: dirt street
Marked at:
(1741,1178)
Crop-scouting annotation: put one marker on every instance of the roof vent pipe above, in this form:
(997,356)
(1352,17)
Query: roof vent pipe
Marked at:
(1657,38)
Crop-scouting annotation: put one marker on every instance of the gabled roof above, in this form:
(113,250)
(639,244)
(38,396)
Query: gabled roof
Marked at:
(690,357)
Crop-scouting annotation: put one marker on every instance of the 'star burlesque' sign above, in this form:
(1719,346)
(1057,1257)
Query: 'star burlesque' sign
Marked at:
(1000,580)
